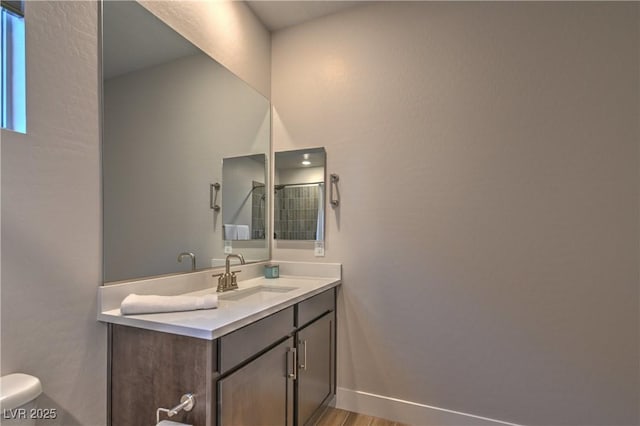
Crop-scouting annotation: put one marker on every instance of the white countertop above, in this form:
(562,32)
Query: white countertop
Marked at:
(231,314)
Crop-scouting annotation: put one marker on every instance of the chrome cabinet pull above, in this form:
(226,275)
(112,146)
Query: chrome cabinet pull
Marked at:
(303,363)
(293,374)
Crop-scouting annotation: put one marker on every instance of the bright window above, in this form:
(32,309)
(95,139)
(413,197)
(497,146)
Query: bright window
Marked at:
(13,113)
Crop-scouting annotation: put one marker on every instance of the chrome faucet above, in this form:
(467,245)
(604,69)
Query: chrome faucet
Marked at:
(193,259)
(228,280)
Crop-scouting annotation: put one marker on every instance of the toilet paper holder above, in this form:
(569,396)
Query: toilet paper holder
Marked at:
(187,401)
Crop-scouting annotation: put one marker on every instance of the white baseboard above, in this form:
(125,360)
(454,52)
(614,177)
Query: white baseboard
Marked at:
(406,411)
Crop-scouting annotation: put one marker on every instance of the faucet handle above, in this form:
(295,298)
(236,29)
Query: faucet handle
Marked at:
(222,282)
(234,279)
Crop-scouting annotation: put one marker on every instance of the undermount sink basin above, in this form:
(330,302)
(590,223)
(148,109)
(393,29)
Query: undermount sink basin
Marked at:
(260,291)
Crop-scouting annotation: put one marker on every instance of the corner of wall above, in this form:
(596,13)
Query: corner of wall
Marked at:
(228,31)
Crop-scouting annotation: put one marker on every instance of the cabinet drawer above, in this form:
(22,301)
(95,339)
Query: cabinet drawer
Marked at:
(250,340)
(315,306)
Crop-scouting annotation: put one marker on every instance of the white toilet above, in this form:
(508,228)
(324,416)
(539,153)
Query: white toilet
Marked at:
(18,405)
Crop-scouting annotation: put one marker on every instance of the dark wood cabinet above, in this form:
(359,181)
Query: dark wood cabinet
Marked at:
(279,370)
(150,369)
(261,392)
(316,366)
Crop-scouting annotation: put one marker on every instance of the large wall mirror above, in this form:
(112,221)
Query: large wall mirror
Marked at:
(299,188)
(171,114)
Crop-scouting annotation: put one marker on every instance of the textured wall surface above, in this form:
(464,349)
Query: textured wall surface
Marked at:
(488,162)
(226,30)
(51,248)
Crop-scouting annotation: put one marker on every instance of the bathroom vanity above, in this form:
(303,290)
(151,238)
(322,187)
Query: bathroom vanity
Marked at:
(266,356)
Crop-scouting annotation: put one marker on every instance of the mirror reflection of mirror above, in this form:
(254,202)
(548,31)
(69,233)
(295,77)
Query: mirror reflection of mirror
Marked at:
(244,197)
(171,114)
(299,197)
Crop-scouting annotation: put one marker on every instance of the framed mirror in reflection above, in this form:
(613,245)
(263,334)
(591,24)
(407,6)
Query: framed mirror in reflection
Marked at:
(299,198)
(170,115)
(244,197)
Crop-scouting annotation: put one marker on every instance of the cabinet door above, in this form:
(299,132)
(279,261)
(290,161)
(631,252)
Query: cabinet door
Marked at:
(261,392)
(315,366)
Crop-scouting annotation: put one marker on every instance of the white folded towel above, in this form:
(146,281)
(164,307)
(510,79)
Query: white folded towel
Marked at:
(230,232)
(137,304)
(243,232)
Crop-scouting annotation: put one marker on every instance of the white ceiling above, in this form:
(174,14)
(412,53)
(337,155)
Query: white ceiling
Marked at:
(276,15)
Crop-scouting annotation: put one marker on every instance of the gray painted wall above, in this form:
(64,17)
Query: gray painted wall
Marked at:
(302,175)
(167,129)
(488,162)
(51,248)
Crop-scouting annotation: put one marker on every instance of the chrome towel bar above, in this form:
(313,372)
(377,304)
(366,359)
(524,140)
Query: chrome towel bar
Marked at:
(213,198)
(334,178)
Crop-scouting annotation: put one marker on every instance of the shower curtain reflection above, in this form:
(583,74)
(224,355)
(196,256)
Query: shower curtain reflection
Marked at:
(297,208)
(258,200)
